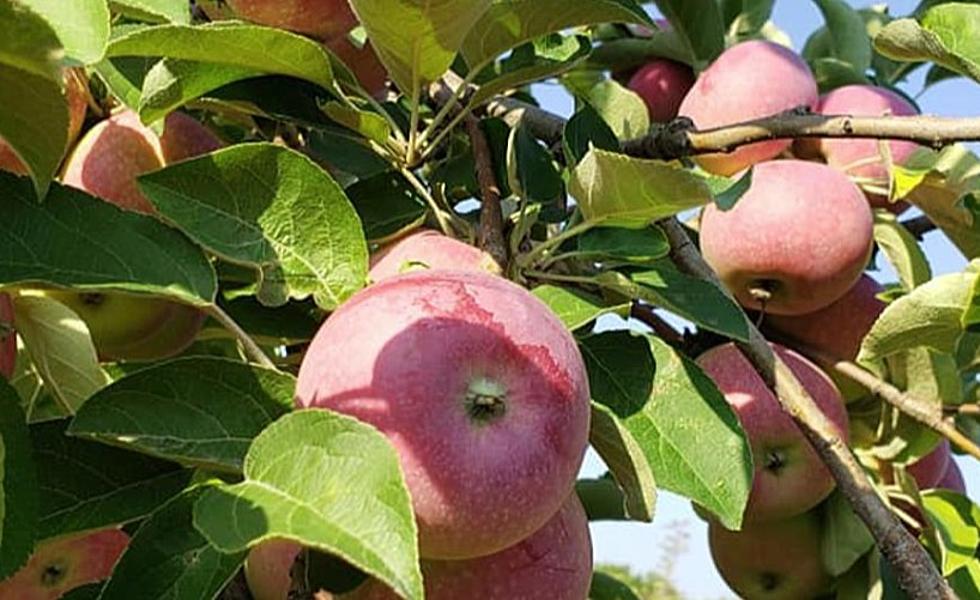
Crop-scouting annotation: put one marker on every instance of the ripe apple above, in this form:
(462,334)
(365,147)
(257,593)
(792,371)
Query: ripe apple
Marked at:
(795,242)
(789,478)
(61,565)
(953,479)
(76,96)
(428,249)
(662,83)
(749,80)
(363,62)
(861,157)
(131,327)
(480,389)
(780,560)
(929,470)
(268,569)
(8,337)
(323,19)
(555,562)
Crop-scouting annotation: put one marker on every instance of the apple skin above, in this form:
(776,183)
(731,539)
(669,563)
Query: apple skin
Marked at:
(322,19)
(363,62)
(866,100)
(802,231)
(8,337)
(554,562)
(929,470)
(953,479)
(772,561)
(134,328)
(61,565)
(429,249)
(76,96)
(789,478)
(662,84)
(480,389)
(268,569)
(749,80)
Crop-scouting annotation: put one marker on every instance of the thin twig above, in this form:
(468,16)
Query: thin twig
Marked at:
(919,226)
(490,237)
(972,410)
(646,314)
(251,348)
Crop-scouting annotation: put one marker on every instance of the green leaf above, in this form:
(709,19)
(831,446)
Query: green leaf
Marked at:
(669,406)
(198,411)
(88,486)
(627,463)
(531,169)
(370,125)
(387,204)
(168,559)
(622,109)
(328,482)
(19,493)
(957,520)
(507,24)
(81,25)
(845,537)
(272,209)
(727,191)
(28,42)
(931,316)
(966,580)
(848,34)
(417,41)
(699,24)
(172,11)
(943,35)
(633,245)
(231,44)
(34,122)
(61,349)
(75,240)
(746,18)
(619,191)
(584,130)
(124,77)
(902,250)
(171,83)
(576,308)
(602,499)
(607,587)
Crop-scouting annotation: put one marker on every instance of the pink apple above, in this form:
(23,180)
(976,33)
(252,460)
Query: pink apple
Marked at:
(428,249)
(802,234)
(953,479)
(268,569)
(61,565)
(749,80)
(8,337)
(781,560)
(554,562)
(480,389)
(662,83)
(929,470)
(790,478)
(322,19)
(363,61)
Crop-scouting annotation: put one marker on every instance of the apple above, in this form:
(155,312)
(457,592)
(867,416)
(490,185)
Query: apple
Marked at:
(662,83)
(76,96)
(554,562)
(63,564)
(929,470)
(480,389)
(789,478)
(363,62)
(798,239)
(953,479)
(428,249)
(861,157)
(109,158)
(323,19)
(8,337)
(749,80)
(268,569)
(780,560)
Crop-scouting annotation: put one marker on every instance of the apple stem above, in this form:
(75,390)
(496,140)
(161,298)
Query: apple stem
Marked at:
(486,400)
(251,348)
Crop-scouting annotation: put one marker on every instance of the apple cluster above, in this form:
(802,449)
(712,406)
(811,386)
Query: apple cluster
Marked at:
(794,248)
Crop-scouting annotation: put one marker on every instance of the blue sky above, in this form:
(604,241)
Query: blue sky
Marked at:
(677,539)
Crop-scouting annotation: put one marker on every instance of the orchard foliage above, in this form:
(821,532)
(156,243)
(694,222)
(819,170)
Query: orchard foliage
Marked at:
(187,190)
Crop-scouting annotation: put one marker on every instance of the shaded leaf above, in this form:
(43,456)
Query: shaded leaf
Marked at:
(627,463)
(19,493)
(845,537)
(699,24)
(848,34)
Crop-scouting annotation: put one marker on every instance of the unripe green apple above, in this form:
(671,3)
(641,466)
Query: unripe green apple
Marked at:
(63,564)
(428,249)
(323,19)
(780,560)
(480,389)
(749,80)
(798,239)
(663,84)
(789,478)
(8,337)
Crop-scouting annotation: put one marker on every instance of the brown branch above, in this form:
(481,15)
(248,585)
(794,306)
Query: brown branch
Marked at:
(903,401)
(491,234)
(972,410)
(646,314)
(919,226)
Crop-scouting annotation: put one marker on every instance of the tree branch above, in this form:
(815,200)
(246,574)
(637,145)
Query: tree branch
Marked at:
(919,226)
(491,233)
(972,410)
(664,330)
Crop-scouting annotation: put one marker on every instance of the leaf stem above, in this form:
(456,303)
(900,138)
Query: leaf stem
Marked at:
(445,219)
(529,258)
(251,348)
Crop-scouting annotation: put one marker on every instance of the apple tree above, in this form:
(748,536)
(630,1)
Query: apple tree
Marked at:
(313,298)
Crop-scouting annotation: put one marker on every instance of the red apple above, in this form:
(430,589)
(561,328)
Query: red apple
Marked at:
(861,157)
(662,84)
(929,470)
(953,479)
(801,234)
(363,62)
(480,389)
(8,337)
(322,19)
(790,478)
(61,565)
(428,249)
(268,569)
(749,80)
(555,562)
(772,561)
